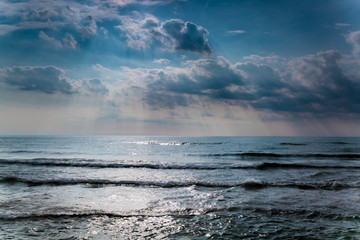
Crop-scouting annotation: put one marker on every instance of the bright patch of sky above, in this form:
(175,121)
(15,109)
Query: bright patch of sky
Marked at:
(180,67)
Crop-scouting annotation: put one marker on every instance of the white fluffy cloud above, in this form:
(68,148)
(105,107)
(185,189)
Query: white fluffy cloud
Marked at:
(163,61)
(236,32)
(354,39)
(173,35)
(141,33)
(123,3)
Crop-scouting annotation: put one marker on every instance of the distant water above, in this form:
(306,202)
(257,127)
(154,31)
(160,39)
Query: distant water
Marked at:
(111,187)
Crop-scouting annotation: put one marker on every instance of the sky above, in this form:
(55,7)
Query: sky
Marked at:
(180,67)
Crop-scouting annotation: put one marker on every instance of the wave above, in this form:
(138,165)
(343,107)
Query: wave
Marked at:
(71,163)
(261,166)
(23,151)
(309,214)
(159,143)
(184,212)
(37,151)
(332,185)
(272,165)
(292,144)
(208,143)
(248,185)
(149,212)
(175,143)
(35,216)
(339,143)
(102,182)
(277,155)
(51,215)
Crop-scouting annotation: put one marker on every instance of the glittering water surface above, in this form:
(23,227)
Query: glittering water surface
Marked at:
(111,187)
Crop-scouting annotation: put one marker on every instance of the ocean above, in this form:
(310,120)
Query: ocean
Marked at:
(131,187)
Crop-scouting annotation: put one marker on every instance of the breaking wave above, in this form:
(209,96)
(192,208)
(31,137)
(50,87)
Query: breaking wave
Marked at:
(175,143)
(277,155)
(308,214)
(249,185)
(87,164)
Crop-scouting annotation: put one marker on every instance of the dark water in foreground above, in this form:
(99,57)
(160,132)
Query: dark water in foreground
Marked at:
(115,187)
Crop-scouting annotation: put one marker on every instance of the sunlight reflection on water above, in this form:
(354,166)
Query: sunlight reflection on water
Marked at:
(179,188)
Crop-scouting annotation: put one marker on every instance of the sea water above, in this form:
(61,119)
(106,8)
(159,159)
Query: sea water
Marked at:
(117,187)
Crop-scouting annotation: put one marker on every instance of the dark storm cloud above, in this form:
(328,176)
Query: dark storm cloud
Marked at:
(322,83)
(261,75)
(218,79)
(187,36)
(212,78)
(316,84)
(201,77)
(46,79)
(325,82)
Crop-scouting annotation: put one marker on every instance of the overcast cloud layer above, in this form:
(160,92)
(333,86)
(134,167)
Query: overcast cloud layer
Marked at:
(182,63)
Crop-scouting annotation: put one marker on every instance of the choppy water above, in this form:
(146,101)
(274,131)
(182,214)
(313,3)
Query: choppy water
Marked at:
(111,187)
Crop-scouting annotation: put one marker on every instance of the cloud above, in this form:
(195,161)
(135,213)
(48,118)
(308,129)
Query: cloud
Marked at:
(187,36)
(218,79)
(167,100)
(95,86)
(49,39)
(49,80)
(68,41)
(322,84)
(88,27)
(124,3)
(341,25)
(261,80)
(208,77)
(236,32)
(6,28)
(162,61)
(270,60)
(78,17)
(141,33)
(46,79)
(354,39)
(171,35)
(318,84)
(70,23)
